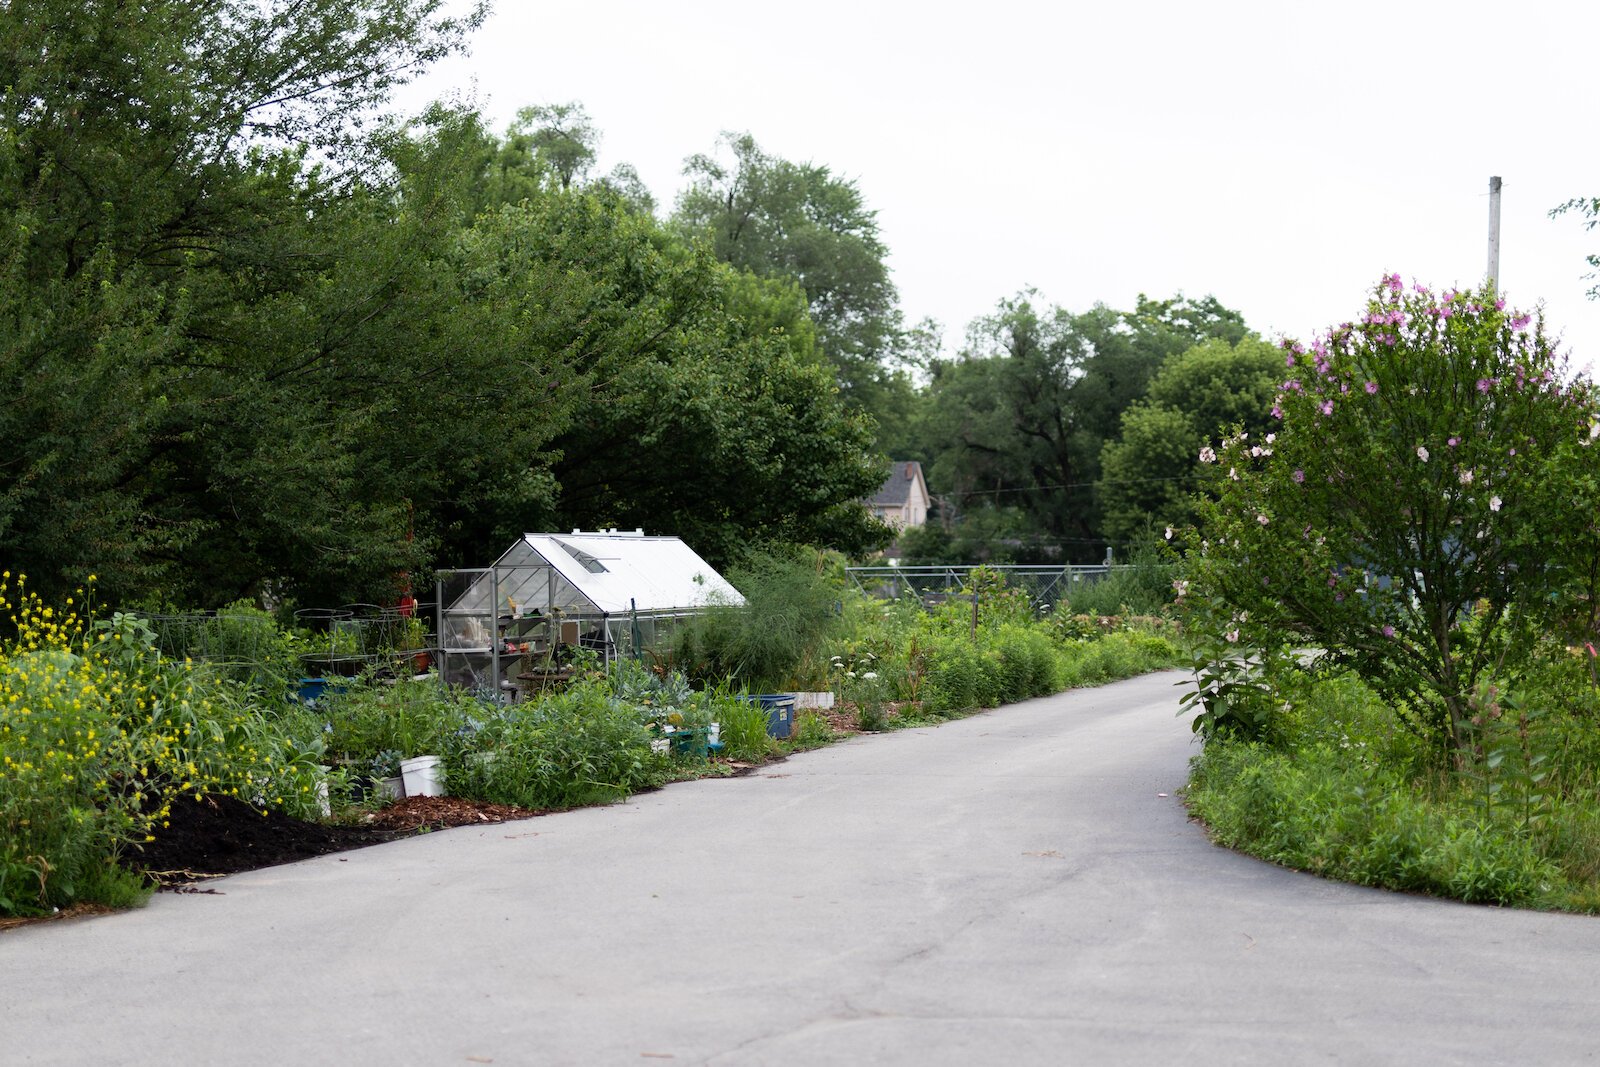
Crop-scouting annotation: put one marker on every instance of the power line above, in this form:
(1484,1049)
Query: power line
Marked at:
(1067,485)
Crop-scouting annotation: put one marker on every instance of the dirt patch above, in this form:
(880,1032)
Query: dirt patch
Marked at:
(222,835)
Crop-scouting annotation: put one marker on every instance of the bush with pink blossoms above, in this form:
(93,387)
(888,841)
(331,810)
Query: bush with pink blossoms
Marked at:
(1428,501)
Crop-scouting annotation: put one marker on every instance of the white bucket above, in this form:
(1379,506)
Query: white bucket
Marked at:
(423,776)
(391,788)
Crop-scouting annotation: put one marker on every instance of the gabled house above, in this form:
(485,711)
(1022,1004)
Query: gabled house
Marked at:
(903,500)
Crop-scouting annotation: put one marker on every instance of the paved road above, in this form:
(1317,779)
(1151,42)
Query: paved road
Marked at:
(1018,887)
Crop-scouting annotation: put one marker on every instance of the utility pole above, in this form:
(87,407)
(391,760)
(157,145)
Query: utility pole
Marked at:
(1493,280)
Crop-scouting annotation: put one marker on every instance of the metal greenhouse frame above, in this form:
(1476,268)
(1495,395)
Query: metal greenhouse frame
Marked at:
(503,628)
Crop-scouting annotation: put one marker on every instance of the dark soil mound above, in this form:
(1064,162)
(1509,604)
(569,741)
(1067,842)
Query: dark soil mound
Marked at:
(222,835)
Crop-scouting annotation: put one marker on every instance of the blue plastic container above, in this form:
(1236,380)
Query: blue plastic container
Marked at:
(311,690)
(780,712)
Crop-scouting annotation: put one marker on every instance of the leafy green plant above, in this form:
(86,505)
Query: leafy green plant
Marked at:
(744,728)
(579,746)
(100,734)
(1323,813)
(790,611)
(1141,587)
(1414,502)
(413,717)
(812,730)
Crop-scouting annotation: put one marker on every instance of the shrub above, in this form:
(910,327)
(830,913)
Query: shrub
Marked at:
(743,728)
(1430,481)
(99,735)
(414,717)
(1323,813)
(1142,587)
(791,608)
(565,750)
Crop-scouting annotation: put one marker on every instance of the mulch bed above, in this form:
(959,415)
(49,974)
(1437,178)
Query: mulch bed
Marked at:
(222,835)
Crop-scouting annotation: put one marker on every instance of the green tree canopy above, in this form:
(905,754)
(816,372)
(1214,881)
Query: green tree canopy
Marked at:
(252,341)
(1019,419)
(1432,484)
(1149,474)
(779,219)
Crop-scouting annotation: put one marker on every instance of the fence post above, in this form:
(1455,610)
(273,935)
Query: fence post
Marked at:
(974,614)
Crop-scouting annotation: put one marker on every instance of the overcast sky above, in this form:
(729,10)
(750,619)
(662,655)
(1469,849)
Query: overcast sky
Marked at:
(1279,156)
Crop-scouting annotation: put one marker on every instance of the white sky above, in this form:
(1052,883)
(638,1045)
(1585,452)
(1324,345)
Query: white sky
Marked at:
(1277,155)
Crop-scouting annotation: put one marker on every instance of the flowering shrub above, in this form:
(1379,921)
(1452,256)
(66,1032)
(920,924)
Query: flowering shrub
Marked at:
(99,737)
(1430,483)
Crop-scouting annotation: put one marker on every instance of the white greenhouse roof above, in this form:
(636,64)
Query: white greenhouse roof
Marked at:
(654,573)
(593,573)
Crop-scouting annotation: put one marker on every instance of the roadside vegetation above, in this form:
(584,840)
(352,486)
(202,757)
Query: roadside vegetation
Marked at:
(1393,601)
(103,730)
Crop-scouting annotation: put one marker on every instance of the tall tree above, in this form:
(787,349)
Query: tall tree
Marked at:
(776,218)
(1151,471)
(154,183)
(1026,408)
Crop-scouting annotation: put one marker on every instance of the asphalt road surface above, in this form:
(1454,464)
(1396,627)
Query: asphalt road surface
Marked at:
(1019,887)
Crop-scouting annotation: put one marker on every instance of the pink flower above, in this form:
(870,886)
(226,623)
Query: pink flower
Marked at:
(1453,441)
(1327,407)
(1372,387)
(1388,631)
(1299,476)
(1483,385)
(1277,412)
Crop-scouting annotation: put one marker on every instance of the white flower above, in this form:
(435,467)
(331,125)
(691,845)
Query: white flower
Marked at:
(1494,503)
(1255,450)
(1169,533)
(1466,477)
(1422,453)
(1271,437)
(1180,586)
(1234,474)
(1206,455)
(1232,636)
(1262,519)
(870,675)
(1594,429)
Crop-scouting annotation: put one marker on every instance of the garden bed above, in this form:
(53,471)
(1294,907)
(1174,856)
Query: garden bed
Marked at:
(213,836)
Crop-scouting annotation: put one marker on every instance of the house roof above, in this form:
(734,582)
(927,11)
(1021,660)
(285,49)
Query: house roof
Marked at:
(897,488)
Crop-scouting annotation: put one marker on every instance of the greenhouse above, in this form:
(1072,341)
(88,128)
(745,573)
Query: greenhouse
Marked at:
(520,624)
